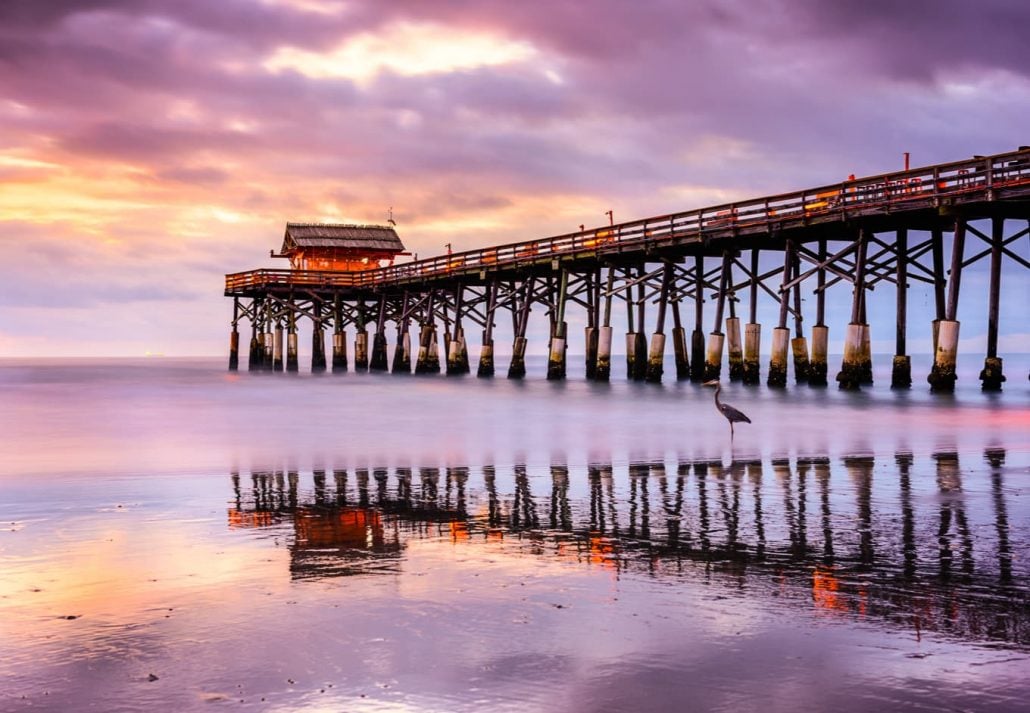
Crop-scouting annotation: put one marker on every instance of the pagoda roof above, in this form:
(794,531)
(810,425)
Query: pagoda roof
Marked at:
(378,238)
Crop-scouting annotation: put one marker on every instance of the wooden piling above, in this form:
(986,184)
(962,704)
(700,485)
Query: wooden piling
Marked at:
(781,335)
(697,337)
(991,377)
(640,345)
(234,337)
(942,376)
(752,330)
(277,348)
(517,368)
(402,350)
(716,340)
(317,340)
(817,365)
(679,344)
(799,345)
(734,346)
(603,370)
(486,351)
(901,370)
(292,366)
(851,374)
(234,349)
(339,337)
(656,356)
(428,360)
(379,360)
(559,332)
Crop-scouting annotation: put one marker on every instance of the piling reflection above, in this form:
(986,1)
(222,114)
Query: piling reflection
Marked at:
(899,543)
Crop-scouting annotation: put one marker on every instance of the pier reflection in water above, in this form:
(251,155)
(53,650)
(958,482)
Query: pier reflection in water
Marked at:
(902,544)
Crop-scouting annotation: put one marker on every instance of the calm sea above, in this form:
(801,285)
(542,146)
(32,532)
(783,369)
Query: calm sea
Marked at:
(174,537)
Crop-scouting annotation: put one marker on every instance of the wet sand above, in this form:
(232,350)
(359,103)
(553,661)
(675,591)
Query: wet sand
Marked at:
(330,579)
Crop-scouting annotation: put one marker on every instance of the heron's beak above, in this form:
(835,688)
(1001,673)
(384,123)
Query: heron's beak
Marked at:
(713,382)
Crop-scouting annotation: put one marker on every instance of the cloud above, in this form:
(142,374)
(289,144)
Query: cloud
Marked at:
(183,134)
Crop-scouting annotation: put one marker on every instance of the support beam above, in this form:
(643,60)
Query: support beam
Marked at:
(361,340)
(640,336)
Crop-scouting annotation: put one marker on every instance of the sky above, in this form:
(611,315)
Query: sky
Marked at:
(148,147)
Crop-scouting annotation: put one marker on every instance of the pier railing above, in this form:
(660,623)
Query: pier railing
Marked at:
(976,179)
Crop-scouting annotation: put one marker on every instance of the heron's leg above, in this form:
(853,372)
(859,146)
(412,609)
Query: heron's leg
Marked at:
(731,432)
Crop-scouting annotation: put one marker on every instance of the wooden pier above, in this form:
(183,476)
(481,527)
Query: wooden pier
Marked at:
(892,228)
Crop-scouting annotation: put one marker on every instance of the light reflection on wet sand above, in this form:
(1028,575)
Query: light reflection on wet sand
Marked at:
(780,584)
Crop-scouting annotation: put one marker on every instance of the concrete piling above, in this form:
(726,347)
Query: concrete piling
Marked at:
(604,354)
(680,354)
(656,358)
(799,349)
(292,366)
(234,350)
(486,359)
(631,353)
(457,354)
(752,344)
(361,349)
(735,349)
(517,368)
(402,352)
(379,359)
(339,351)
(942,376)
(428,361)
(901,367)
(778,360)
(991,377)
(713,356)
(317,349)
(256,352)
(853,371)
(556,353)
(656,355)
(266,345)
(277,348)
(590,340)
(818,366)
(852,368)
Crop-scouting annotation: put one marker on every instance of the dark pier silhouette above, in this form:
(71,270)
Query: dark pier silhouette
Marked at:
(920,225)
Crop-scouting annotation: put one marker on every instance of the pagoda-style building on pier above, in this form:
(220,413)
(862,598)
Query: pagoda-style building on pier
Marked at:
(339,248)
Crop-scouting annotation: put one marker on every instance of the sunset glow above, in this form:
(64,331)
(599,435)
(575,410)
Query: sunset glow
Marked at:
(175,139)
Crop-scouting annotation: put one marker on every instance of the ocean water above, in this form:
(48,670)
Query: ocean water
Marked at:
(176,537)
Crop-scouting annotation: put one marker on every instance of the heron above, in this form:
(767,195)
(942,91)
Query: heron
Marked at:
(732,415)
